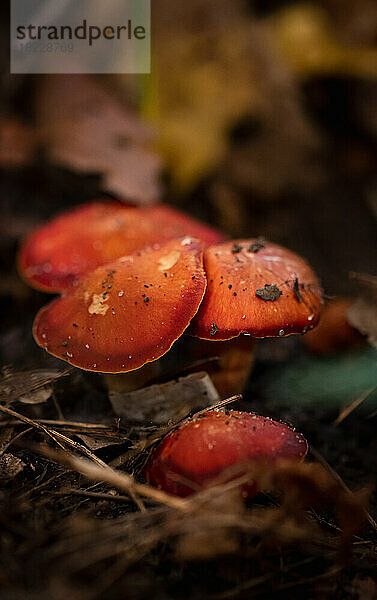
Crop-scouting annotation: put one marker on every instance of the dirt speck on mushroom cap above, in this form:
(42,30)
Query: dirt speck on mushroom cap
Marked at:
(233,299)
(109,324)
(203,447)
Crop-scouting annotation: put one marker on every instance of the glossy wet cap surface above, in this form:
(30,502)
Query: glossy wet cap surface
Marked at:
(256,288)
(206,445)
(126,313)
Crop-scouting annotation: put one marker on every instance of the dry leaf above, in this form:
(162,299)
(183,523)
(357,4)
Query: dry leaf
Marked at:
(95,441)
(68,99)
(129,173)
(28,387)
(87,129)
(5,437)
(133,173)
(160,403)
(10,466)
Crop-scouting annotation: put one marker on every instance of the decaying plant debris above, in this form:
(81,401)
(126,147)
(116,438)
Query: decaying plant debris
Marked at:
(95,521)
(159,403)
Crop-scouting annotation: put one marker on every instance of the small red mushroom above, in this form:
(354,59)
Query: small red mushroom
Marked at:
(126,313)
(58,253)
(208,444)
(255,288)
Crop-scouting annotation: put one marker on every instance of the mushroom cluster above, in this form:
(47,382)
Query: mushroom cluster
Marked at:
(133,280)
(258,289)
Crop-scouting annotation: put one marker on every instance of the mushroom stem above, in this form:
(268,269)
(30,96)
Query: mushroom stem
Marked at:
(231,372)
(128,382)
(174,362)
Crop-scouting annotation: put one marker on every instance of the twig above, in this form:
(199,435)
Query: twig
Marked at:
(148,442)
(57,406)
(89,494)
(106,474)
(307,580)
(14,439)
(351,407)
(40,486)
(372,415)
(28,421)
(54,435)
(256,581)
(242,587)
(63,423)
(219,404)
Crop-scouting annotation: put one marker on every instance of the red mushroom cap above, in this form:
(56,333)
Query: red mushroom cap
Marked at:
(206,445)
(256,288)
(127,313)
(94,234)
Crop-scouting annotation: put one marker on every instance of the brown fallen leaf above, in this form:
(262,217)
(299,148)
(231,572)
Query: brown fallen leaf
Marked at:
(63,99)
(29,387)
(355,22)
(84,127)
(129,173)
(160,403)
(96,441)
(10,466)
(5,438)
(133,173)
